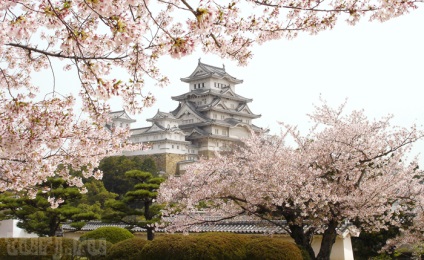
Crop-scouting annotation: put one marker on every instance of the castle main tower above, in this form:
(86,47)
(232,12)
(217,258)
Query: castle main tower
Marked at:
(209,118)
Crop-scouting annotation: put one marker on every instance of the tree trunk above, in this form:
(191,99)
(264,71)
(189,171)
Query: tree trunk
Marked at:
(150,233)
(328,240)
(53,226)
(302,239)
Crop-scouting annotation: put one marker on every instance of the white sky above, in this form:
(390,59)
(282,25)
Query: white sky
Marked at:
(378,67)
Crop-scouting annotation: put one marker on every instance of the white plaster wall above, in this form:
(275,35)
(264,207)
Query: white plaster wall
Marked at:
(348,250)
(342,248)
(199,82)
(239,132)
(8,228)
(232,105)
(164,148)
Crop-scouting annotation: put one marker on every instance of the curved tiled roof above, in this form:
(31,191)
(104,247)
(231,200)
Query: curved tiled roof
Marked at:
(232,226)
(227,226)
(162,115)
(201,92)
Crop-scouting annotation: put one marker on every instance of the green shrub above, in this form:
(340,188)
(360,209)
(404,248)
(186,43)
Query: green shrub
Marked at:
(223,245)
(111,234)
(272,249)
(215,246)
(176,247)
(129,249)
(38,248)
(206,246)
(94,249)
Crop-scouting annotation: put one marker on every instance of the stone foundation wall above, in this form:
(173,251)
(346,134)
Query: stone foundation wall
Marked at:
(207,154)
(165,162)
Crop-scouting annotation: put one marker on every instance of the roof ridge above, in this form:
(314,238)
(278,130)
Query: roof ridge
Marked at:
(118,111)
(201,63)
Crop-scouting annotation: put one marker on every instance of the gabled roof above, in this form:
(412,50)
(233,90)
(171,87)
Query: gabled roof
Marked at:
(238,111)
(121,115)
(203,71)
(162,115)
(195,135)
(155,128)
(228,92)
(243,107)
(197,130)
(187,105)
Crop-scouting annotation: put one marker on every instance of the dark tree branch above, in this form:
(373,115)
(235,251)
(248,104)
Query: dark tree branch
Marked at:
(59,55)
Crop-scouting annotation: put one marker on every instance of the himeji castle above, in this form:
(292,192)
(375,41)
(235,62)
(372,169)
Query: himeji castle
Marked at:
(209,118)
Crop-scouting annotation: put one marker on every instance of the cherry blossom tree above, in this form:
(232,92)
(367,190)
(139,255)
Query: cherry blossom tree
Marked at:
(346,169)
(88,39)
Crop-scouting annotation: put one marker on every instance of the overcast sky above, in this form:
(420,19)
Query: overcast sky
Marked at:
(377,66)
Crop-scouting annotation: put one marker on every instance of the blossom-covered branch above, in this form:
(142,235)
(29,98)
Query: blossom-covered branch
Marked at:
(90,38)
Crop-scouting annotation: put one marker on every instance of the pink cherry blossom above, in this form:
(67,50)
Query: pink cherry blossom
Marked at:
(40,131)
(346,169)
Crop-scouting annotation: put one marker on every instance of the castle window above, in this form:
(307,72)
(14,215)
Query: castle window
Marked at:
(172,146)
(224,132)
(203,85)
(214,116)
(120,124)
(178,147)
(217,131)
(222,117)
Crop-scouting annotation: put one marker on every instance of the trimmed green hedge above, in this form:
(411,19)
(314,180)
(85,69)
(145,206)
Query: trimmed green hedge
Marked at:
(38,248)
(129,249)
(223,245)
(208,246)
(94,249)
(171,247)
(272,249)
(216,246)
(110,234)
